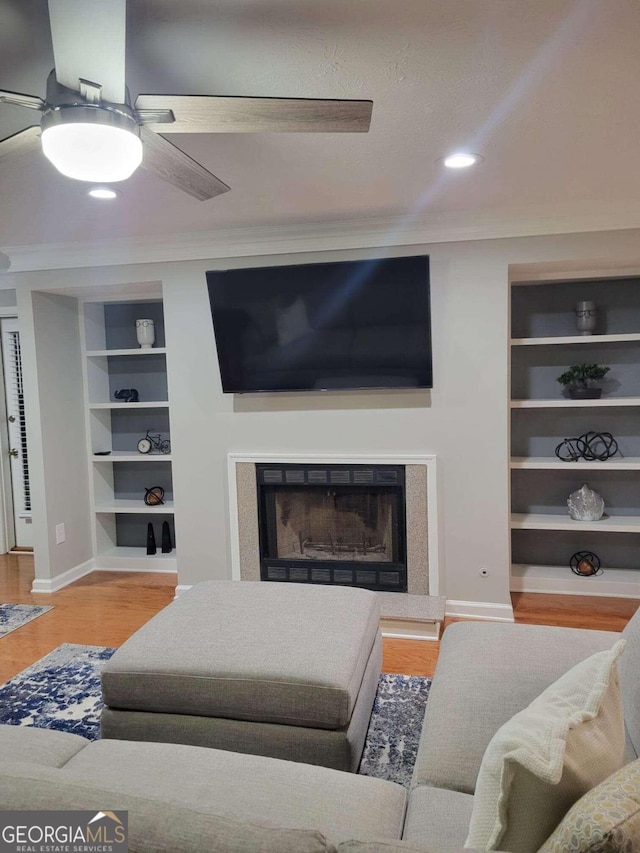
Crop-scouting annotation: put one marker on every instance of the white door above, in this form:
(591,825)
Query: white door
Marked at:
(17,435)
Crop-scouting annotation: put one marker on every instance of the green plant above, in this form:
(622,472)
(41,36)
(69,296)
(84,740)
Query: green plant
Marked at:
(583,375)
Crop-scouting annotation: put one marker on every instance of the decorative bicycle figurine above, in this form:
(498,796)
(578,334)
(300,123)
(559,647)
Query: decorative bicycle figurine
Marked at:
(154,441)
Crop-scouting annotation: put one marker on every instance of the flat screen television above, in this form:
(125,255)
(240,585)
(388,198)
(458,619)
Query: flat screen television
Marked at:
(326,326)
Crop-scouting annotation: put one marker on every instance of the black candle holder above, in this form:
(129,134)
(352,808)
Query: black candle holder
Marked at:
(151,540)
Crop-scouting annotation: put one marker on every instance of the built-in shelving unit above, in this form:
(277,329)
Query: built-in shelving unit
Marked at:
(614,402)
(544,342)
(119,478)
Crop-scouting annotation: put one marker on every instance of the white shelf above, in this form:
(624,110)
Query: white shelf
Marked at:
(563,403)
(163,404)
(549,463)
(617,583)
(108,352)
(134,506)
(574,339)
(132,456)
(136,560)
(544,521)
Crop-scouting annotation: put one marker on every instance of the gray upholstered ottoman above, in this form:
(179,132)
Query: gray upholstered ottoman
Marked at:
(277,669)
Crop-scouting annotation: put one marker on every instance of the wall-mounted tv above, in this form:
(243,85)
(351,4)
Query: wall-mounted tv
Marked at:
(326,326)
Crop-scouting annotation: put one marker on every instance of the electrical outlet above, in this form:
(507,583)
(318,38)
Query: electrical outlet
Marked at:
(60,534)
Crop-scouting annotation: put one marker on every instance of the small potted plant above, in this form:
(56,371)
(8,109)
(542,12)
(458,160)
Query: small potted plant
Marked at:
(581,381)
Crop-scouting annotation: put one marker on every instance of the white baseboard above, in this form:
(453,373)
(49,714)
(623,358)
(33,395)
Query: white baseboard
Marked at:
(407,629)
(480,610)
(182,587)
(48,585)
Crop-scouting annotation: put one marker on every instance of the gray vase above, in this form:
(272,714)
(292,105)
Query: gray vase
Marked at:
(586,317)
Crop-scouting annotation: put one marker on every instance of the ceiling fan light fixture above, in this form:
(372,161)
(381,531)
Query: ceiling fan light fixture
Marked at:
(91,143)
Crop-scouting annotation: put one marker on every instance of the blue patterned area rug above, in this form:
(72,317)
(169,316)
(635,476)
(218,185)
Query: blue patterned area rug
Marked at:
(62,691)
(14,616)
(394,730)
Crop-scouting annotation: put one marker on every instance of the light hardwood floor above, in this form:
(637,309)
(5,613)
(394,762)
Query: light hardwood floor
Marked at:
(105,608)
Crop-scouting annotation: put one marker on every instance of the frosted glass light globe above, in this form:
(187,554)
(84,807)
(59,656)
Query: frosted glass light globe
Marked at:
(92,152)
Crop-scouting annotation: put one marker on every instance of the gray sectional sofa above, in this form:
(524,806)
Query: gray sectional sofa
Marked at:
(186,798)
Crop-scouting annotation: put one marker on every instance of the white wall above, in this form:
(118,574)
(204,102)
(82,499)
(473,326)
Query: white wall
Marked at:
(463,420)
(55,431)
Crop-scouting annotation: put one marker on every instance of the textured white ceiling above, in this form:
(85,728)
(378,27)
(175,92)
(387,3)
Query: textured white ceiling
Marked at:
(544,90)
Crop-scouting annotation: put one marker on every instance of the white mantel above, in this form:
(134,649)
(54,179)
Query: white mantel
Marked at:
(434,581)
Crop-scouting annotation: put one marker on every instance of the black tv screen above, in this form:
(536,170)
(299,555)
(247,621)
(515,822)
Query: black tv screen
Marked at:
(327,326)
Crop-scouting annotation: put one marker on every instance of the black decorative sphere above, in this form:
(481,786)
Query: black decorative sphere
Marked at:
(585,563)
(154,496)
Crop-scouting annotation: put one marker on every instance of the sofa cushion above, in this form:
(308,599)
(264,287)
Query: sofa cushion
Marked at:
(629,681)
(501,668)
(270,652)
(437,818)
(380,846)
(393,847)
(607,818)
(546,757)
(155,826)
(337,804)
(38,746)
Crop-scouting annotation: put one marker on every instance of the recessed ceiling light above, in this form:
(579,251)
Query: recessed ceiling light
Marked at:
(461,160)
(102,192)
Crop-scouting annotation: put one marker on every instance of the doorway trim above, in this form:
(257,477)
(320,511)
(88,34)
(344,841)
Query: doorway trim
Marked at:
(7,527)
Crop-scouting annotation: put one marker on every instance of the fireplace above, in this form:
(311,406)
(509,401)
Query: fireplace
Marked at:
(416,516)
(333,524)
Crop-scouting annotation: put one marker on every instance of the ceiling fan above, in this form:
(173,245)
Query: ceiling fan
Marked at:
(90,131)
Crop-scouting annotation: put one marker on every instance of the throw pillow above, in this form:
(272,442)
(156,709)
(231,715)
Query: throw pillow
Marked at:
(546,757)
(604,820)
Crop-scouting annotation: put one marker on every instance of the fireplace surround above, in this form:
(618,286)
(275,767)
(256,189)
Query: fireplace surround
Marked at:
(418,521)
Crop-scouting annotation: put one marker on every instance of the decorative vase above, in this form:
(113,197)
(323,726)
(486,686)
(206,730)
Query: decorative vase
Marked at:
(585,504)
(146,333)
(586,317)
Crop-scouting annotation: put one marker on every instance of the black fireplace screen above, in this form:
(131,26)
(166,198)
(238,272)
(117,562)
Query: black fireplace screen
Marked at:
(328,524)
(349,530)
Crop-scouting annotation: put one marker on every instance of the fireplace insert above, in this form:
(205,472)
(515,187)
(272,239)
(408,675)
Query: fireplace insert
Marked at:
(333,524)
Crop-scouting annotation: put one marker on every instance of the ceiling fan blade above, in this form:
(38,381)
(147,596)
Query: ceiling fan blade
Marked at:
(21,142)
(220,114)
(89,44)
(174,166)
(31,101)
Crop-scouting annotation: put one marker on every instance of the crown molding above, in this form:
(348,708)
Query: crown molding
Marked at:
(415,229)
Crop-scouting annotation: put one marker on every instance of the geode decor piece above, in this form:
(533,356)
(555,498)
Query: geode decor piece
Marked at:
(585,504)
